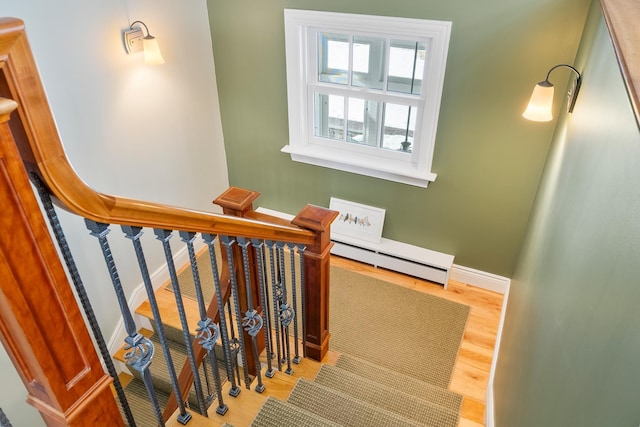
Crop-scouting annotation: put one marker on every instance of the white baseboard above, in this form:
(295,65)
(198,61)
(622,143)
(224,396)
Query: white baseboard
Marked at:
(489,413)
(489,420)
(139,295)
(480,279)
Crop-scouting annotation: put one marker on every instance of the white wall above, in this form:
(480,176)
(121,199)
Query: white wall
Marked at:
(150,133)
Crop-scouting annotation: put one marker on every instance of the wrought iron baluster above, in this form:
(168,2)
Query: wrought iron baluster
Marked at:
(259,246)
(282,290)
(281,293)
(164,236)
(228,242)
(252,321)
(301,249)
(4,421)
(287,315)
(235,342)
(205,373)
(139,350)
(209,239)
(294,300)
(275,296)
(134,234)
(207,331)
(63,246)
(188,238)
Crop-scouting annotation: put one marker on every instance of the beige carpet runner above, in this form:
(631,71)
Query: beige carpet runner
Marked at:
(404,330)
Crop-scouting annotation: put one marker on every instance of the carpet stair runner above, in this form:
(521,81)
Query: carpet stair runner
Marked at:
(401,382)
(339,396)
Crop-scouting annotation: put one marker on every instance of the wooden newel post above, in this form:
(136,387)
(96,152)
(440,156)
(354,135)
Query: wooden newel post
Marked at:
(239,202)
(41,326)
(316,278)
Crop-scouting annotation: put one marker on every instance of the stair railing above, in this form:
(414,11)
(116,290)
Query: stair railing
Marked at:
(60,367)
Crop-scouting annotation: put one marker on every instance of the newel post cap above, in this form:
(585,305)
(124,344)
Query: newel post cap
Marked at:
(238,200)
(315,218)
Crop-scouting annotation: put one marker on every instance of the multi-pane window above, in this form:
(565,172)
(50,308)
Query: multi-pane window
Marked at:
(364,92)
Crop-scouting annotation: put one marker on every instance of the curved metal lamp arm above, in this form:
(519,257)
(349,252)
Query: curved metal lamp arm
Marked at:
(141,23)
(573,93)
(552,68)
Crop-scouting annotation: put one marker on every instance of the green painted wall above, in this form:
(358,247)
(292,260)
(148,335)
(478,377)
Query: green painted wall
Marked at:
(488,159)
(570,346)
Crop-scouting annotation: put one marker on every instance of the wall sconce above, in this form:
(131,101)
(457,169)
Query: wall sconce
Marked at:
(135,41)
(539,108)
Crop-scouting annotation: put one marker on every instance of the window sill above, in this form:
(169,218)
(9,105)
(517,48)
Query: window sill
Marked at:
(397,171)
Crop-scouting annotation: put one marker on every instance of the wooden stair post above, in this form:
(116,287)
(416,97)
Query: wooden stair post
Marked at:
(317,276)
(239,202)
(41,326)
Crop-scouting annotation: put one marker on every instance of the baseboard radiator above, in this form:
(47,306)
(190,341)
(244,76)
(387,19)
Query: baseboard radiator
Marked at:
(396,256)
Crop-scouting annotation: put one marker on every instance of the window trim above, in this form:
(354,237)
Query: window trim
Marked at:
(304,147)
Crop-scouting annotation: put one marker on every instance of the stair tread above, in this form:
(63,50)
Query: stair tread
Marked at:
(401,382)
(342,408)
(166,302)
(375,393)
(276,413)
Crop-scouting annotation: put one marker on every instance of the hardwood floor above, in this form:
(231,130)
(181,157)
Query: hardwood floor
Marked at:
(471,372)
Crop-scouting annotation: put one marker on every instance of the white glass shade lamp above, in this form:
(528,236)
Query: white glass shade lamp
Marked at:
(136,41)
(541,102)
(152,55)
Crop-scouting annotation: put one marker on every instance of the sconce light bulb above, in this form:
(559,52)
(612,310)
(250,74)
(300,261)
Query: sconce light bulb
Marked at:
(539,108)
(152,55)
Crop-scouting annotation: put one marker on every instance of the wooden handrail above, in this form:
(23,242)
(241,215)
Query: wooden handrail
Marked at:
(622,18)
(42,151)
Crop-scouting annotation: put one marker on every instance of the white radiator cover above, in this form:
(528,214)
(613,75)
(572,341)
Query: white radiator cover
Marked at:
(392,255)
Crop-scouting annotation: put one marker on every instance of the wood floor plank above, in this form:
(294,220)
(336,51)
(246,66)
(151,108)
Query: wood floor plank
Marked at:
(476,358)
(472,410)
(468,380)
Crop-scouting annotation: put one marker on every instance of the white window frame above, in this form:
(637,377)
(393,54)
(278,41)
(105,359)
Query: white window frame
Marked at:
(301,28)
